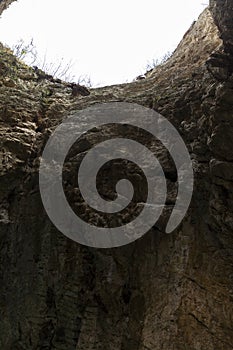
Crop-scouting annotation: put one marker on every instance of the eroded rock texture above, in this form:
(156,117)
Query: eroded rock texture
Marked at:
(161,292)
(4,4)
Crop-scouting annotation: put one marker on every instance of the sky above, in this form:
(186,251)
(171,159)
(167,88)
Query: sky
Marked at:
(107,40)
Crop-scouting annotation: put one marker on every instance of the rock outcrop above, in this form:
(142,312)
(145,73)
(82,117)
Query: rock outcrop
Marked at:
(161,292)
(4,5)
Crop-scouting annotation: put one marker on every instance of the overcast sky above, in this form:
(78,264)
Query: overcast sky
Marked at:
(110,41)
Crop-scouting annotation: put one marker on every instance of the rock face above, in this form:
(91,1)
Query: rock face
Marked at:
(4,4)
(161,292)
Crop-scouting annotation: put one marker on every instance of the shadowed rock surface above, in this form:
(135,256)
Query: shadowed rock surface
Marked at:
(171,292)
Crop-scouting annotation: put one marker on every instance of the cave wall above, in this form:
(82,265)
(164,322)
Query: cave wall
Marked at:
(4,4)
(222,11)
(160,292)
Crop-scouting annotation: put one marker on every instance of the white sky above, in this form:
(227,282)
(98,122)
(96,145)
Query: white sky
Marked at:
(110,41)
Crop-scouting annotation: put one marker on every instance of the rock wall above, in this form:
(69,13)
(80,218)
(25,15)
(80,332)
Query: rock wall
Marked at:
(4,5)
(222,12)
(170,292)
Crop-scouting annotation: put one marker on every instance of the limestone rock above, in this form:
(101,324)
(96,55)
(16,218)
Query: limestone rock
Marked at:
(4,4)
(170,292)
